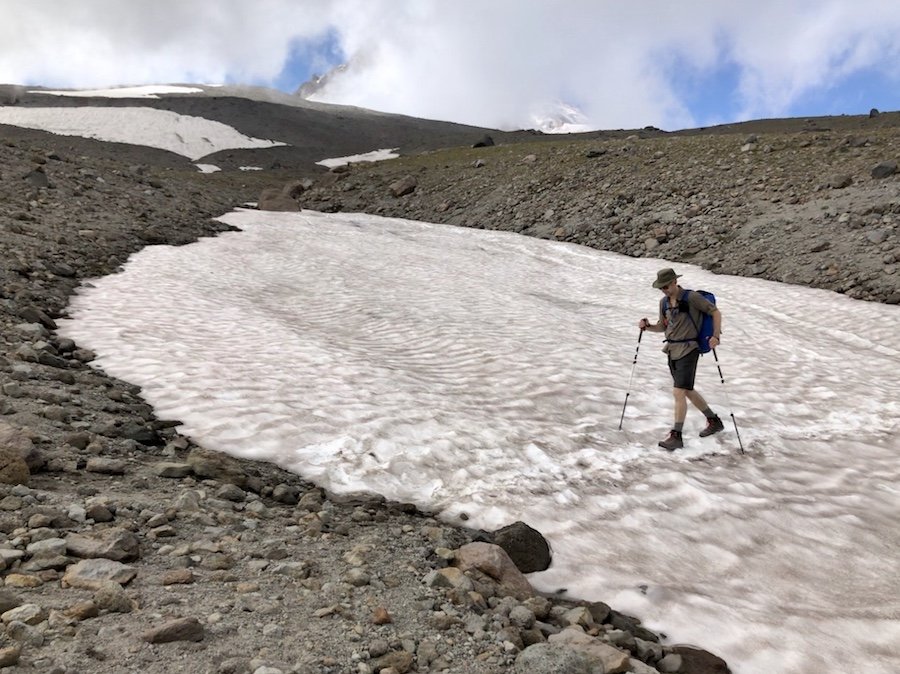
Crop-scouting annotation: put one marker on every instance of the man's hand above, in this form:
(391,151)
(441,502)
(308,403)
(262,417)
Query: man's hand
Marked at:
(643,324)
(713,342)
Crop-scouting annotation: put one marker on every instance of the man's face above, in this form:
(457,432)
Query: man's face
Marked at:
(670,289)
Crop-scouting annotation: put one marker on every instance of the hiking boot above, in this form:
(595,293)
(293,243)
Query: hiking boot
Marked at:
(673,442)
(713,425)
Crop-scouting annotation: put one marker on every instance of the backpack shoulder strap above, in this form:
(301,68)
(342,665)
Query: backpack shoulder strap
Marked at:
(685,306)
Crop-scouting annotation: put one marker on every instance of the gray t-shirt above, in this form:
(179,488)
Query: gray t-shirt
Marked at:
(680,325)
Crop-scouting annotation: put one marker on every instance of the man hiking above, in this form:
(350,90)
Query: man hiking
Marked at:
(680,314)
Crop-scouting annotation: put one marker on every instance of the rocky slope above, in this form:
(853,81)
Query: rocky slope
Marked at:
(125,547)
(817,205)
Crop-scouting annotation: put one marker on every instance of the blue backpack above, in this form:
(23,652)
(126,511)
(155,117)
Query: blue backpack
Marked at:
(705,329)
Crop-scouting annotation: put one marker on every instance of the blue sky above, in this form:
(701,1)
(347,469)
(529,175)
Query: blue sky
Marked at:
(306,58)
(500,63)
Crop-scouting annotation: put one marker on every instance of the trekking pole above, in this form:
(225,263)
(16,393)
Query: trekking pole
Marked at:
(728,402)
(631,378)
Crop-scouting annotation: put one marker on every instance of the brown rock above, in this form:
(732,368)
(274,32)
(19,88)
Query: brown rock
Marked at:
(405,185)
(401,661)
(381,616)
(180,629)
(13,469)
(83,610)
(9,656)
(22,580)
(178,577)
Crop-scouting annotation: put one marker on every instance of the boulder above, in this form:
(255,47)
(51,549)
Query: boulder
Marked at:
(526,547)
(492,561)
(404,186)
(555,659)
(218,466)
(114,543)
(839,182)
(613,660)
(885,169)
(37,178)
(698,661)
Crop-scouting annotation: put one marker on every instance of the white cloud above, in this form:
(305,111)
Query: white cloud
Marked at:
(494,63)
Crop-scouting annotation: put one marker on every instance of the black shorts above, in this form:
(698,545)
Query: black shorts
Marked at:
(684,369)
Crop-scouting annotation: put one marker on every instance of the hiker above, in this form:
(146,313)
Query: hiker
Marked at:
(680,314)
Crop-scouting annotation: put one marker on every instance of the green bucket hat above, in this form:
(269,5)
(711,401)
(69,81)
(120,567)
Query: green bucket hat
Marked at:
(664,277)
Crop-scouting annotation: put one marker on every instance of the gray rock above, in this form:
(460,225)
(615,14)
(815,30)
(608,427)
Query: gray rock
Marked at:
(218,466)
(670,664)
(106,466)
(111,597)
(48,546)
(30,614)
(37,178)
(884,170)
(231,492)
(555,659)
(8,601)
(91,574)
(526,547)
(286,494)
(877,236)
(841,181)
(172,470)
(113,543)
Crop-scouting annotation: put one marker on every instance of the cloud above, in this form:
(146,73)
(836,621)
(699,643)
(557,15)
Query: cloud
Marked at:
(497,63)
(105,42)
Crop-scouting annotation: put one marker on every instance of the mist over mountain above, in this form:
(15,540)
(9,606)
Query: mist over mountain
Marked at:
(552,117)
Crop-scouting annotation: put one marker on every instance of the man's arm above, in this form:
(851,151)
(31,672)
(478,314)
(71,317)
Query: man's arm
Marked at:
(717,329)
(644,324)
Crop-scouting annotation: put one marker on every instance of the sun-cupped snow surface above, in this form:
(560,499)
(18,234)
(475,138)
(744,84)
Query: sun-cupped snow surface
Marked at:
(374,155)
(192,137)
(143,91)
(484,373)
